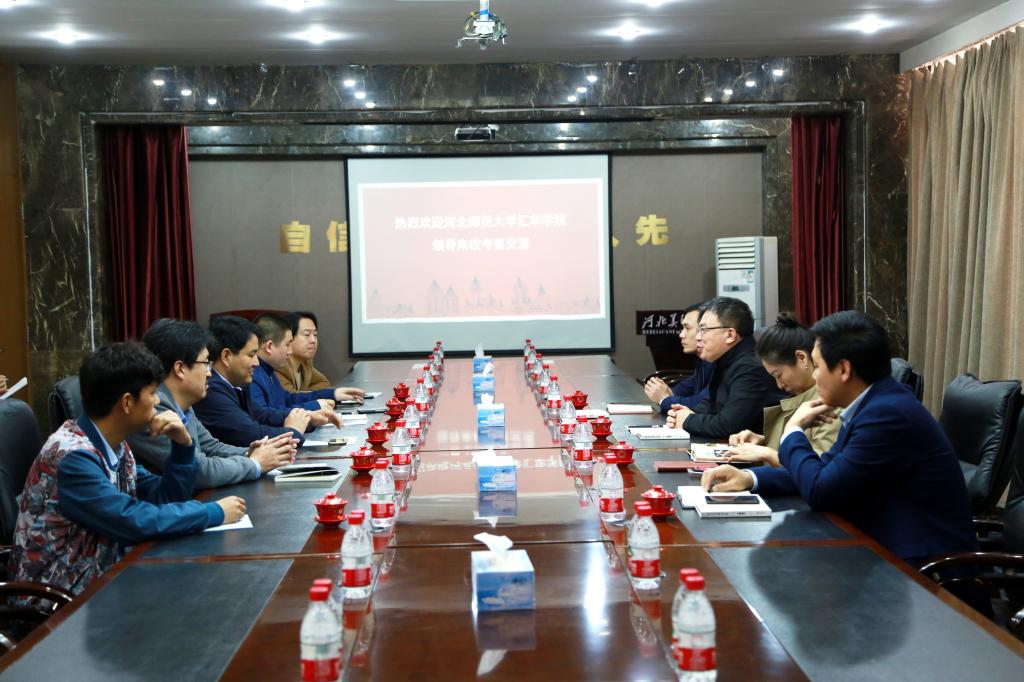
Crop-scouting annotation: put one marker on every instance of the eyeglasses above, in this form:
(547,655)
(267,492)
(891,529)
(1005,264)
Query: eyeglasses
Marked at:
(702,330)
(208,364)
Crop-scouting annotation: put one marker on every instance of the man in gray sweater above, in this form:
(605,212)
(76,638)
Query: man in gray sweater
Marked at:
(182,349)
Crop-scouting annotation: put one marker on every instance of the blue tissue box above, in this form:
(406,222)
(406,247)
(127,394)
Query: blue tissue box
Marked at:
(479,363)
(492,503)
(490,416)
(489,436)
(507,585)
(482,384)
(501,475)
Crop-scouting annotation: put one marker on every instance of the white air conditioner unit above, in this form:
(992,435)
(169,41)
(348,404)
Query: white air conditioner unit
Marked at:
(747,268)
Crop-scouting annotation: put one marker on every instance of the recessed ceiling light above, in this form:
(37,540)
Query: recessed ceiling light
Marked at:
(563,126)
(591,78)
(561,145)
(159,82)
(6,4)
(628,31)
(581,89)
(582,113)
(751,83)
(727,92)
(316,36)
(186,92)
(571,98)
(212,101)
(778,73)
(371,105)
(349,82)
(64,35)
(708,99)
(360,95)
(291,5)
(869,24)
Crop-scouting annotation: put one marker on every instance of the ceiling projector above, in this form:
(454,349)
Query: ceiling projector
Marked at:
(484,27)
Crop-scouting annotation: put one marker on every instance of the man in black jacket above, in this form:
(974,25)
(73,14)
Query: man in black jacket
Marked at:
(741,388)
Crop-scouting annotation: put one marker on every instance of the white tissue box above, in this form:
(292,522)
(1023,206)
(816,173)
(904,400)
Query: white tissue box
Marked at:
(496,473)
(505,584)
(482,383)
(490,415)
(480,362)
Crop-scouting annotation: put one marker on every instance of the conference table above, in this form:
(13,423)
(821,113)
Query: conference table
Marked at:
(802,595)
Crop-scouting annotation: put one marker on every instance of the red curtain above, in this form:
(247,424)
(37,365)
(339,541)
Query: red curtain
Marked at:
(819,250)
(146,177)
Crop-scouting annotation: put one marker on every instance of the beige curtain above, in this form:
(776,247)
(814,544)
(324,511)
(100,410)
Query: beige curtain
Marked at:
(966,260)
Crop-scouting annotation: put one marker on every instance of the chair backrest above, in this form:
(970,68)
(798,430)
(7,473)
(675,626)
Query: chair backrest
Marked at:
(65,401)
(19,446)
(904,373)
(980,418)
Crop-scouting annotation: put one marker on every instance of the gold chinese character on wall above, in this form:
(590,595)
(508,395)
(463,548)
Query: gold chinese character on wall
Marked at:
(295,238)
(337,236)
(652,229)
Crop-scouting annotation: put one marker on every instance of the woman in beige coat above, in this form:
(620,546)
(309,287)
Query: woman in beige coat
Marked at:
(785,351)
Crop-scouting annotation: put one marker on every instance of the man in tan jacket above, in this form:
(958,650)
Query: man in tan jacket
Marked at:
(299,375)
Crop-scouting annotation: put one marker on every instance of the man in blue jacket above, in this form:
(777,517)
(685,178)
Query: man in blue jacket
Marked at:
(892,472)
(226,410)
(691,391)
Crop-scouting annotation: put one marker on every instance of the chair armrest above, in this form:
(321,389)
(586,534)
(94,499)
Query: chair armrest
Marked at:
(987,524)
(669,376)
(51,593)
(975,560)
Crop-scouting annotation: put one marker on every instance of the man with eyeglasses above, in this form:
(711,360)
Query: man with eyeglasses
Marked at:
(740,388)
(182,348)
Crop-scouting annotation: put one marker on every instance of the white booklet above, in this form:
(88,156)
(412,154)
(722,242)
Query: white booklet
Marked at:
(626,408)
(708,452)
(722,505)
(659,433)
(305,471)
(240,524)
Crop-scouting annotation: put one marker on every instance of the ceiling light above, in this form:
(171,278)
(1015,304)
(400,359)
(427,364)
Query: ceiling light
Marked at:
(291,5)
(727,92)
(581,89)
(563,126)
(869,24)
(572,98)
(371,105)
(159,82)
(778,73)
(64,35)
(654,3)
(349,82)
(316,36)
(186,92)
(582,113)
(6,4)
(212,101)
(360,94)
(751,83)
(561,145)
(628,32)
(708,99)
(591,78)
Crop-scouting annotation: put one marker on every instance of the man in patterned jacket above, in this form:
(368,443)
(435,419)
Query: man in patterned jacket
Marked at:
(85,501)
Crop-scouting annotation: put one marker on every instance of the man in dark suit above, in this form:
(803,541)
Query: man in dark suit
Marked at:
(691,391)
(226,410)
(892,472)
(740,388)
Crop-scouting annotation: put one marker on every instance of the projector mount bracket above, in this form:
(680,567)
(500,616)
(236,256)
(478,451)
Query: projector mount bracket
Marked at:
(483,27)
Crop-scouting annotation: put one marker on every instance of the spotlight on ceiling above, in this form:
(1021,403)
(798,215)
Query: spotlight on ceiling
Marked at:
(571,98)
(186,92)
(778,73)
(212,101)
(159,82)
(869,24)
(64,35)
(349,82)
(591,78)
(751,83)
(628,32)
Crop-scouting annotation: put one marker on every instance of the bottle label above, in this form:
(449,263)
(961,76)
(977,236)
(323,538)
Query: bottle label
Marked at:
(321,669)
(355,577)
(610,505)
(414,431)
(422,407)
(554,403)
(645,568)
(401,459)
(696,659)
(583,454)
(382,510)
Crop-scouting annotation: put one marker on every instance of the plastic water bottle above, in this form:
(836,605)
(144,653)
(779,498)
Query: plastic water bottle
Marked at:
(531,360)
(535,371)
(320,639)
(644,549)
(526,349)
(567,419)
(677,602)
(610,487)
(401,449)
(422,399)
(428,381)
(411,416)
(356,558)
(382,497)
(440,349)
(582,441)
(543,378)
(554,394)
(694,630)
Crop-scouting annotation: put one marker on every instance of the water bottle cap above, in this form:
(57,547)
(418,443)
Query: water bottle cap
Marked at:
(380,463)
(685,572)
(426,366)
(554,377)
(540,355)
(410,401)
(356,517)
(419,380)
(547,365)
(528,341)
(581,419)
(694,582)
(610,458)
(642,508)
(438,342)
(319,593)
(399,422)
(324,582)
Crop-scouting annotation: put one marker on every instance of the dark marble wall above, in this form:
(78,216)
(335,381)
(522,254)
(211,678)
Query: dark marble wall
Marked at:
(306,110)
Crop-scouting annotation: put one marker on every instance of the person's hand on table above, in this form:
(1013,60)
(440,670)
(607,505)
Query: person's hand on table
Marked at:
(234,508)
(326,404)
(271,453)
(677,416)
(324,416)
(348,393)
(3,384)
(726,479)
(812,413)
(657,390)
(753,454)
(746,436)
(168,423)
(297,419)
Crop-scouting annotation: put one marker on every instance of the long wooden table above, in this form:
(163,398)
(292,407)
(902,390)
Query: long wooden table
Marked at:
(802,595)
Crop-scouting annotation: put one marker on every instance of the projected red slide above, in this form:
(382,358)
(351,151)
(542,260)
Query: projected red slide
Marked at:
(465,251)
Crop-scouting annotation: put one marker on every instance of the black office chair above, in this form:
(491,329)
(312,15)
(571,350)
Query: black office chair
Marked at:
(65,401)
(980,419)
(23,606)
(904,373)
